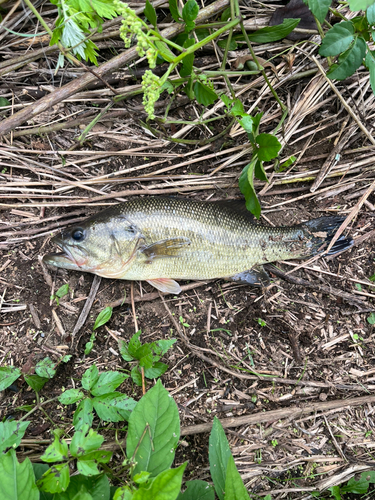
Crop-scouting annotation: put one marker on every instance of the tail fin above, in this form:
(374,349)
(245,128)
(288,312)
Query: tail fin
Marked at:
(321,231)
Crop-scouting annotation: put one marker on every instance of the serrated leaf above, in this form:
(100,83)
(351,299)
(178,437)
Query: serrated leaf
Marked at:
(83,414)
(174,10)
(8,375)
(150,13)
(349,61)
(268,147)
(71,396)
(246,184)
(360,4)
(156,370)
(73,36)
(204,95)
(45,368)
(11,433)
(234,487)
(84,441)
(108,382)
(57,451)
(56,479)
(114,407)
(319,8)
(90,377)
(97,487)
(337,39)
(197,490)
(17,479)
(35,382)
(219,454)
(274,33)
(153,432)
(187,61)
(165,486)
(144,355)
(103,317)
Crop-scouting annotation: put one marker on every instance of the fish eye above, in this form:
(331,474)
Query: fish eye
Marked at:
(78,234)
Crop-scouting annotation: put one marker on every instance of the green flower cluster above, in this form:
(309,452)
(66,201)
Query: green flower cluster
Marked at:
(131,24)
(151,92)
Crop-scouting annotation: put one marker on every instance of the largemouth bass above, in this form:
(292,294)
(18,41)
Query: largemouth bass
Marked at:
(161,240)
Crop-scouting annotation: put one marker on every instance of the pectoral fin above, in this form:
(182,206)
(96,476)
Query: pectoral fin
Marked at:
(165,248)
(166,285)
(256,276)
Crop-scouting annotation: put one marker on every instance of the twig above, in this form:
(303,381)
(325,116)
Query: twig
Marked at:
(86,308)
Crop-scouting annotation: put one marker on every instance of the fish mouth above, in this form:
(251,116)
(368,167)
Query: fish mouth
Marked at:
(65,258)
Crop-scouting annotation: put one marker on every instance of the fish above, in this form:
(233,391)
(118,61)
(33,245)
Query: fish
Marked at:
(161,240)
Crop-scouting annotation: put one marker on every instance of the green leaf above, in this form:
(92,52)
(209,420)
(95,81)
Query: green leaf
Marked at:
(259,171)
(197,490)
(153,432)
(371,319)
(83,414)
(56,479)
(8,374)
(150,13)
(136,376)
(268,147)
(219,454)
(156,370)
(225,15)
(45,368)
(337,39)
(88,464)
(134,344)
(165,486)
(174,10)
(97,487)
(164,51)
(57,451)
(90,377)
(11,433)
(335,492)
(234,487)
(103,317)
(62,291)
(35,382)
(142,477)
(39,470)
(360,4)
(123,493)
(370,14)
(349,61)
(73,36)
(232,46)
(144,355)
(247,123)
(204,95)
(370,63)
(319,8)
(286,164)
(246,184)
(190,12)
(17,481)
(114,407)
(202,33)
(273,33)
(108,382)
(66,358)
(84,441)
(187,61)
(4,102)
(361,486)
(71,396)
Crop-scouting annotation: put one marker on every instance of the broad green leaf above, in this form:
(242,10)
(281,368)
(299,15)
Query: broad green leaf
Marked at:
(370,63)
(274,33)
(349,61)
(103,317)
(62,291)
(150,13)
(223,43)
(259,171)
(219,454)
(114,407)
(136,376)
(360,4)
(319,8)
(90,377)
(66,358)
(142,477)
(190,11)
(203,94)
(134,344)
(88,464)
(187,61)
(45,368)
(370,14)
(39,470)
(144,355)
(108,382)
(57,451)
(225,15)
(335,492)
(83,414)
(165,486)
(154,431)
(246,184)
(202,33)
(35,382)
(371,319)
(164,51)
(268,147)
(161,347)
(97,486)
(247,123)
(84,441)
(234,487)
(361,486)
(4,102)
(337,39)
(123,493)
(197,490)
(156,370)
(87,467)
(71,396)
(17,481)
(56,479)
(11,433)
(174,10)
(8,374)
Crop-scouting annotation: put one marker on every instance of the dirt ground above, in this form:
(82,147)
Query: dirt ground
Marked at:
(307,345)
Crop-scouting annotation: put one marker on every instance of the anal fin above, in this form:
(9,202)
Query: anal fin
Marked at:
(166,285)
(256,276)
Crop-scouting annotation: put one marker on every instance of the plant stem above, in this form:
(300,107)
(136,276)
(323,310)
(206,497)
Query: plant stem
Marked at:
(37,407)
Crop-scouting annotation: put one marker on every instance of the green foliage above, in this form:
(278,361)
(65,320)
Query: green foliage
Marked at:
(103,317)
(17,481)
(8,375)
(197,490)
(219,454)
(146,355)
(61,292)
(371,319)
(353,486)
(11,433)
